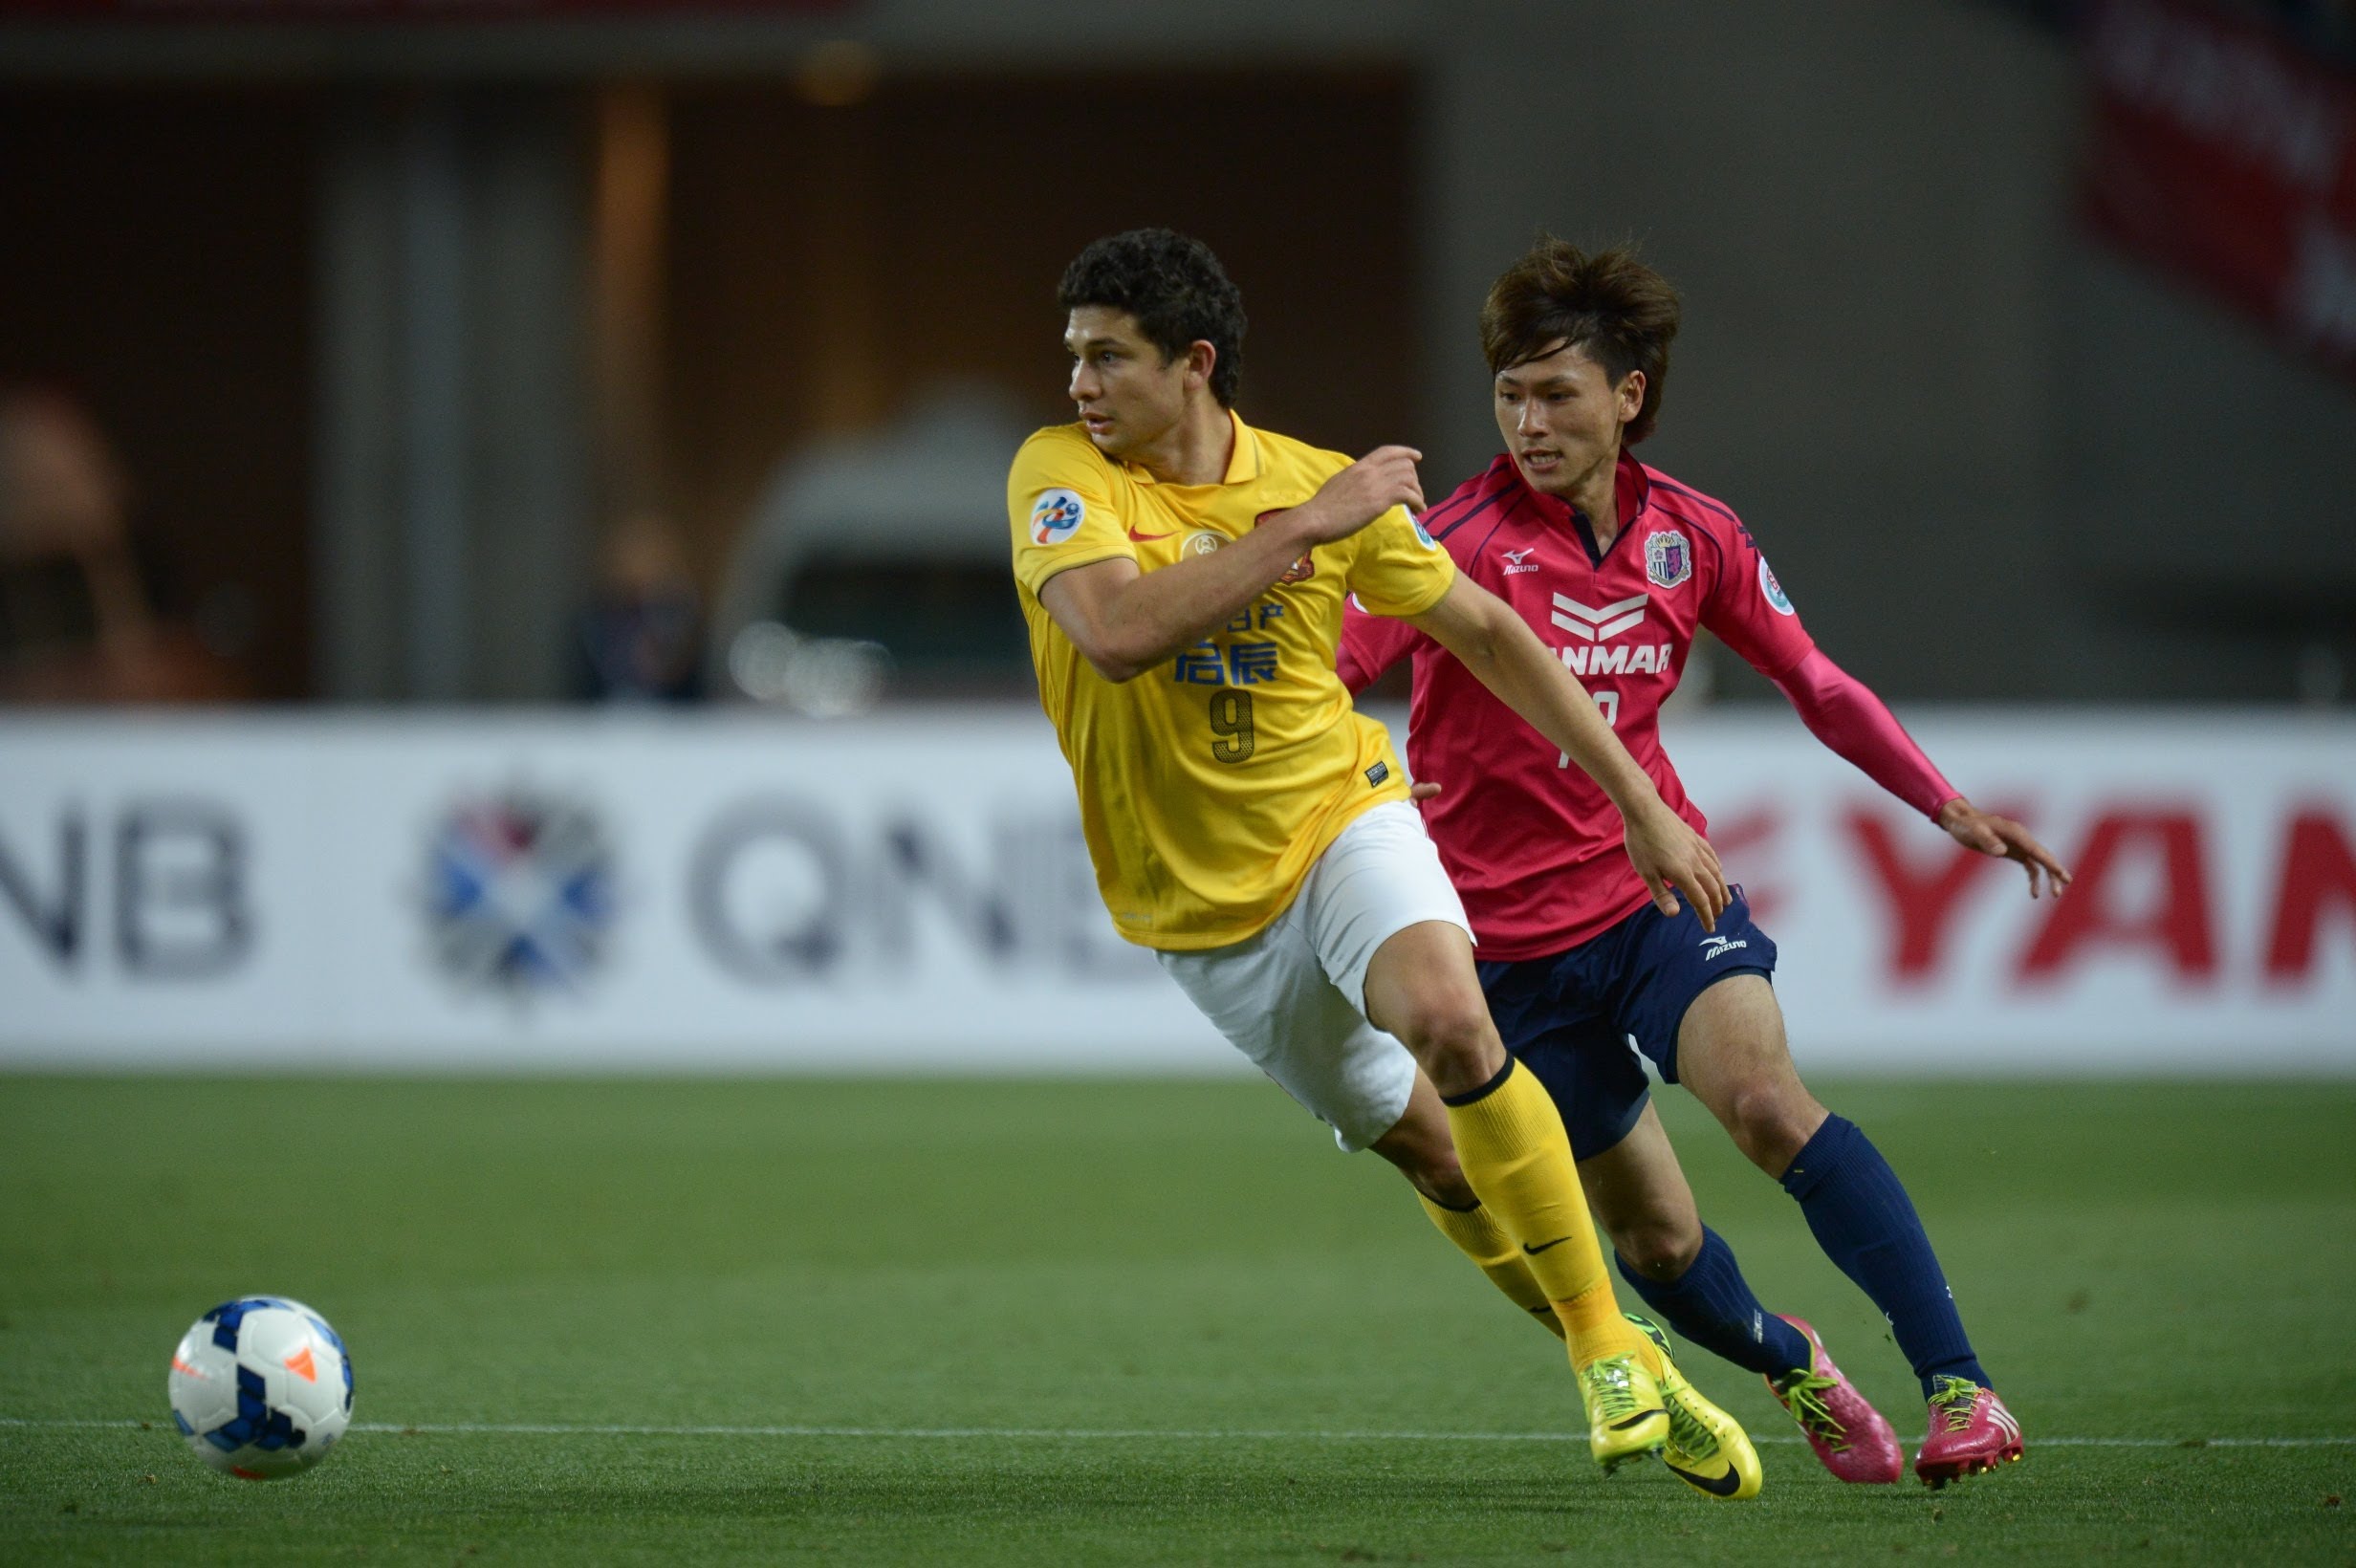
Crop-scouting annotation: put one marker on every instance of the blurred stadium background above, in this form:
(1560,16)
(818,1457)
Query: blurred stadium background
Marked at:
(502,558)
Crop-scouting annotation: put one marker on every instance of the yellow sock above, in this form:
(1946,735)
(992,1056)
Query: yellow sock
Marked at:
(1518,1159)
(1484,1241)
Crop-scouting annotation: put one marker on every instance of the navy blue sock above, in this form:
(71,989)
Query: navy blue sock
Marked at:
(1710,1304)
(1867,1225)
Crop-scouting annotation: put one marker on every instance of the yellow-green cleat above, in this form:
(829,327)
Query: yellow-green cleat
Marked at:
(1706,1448)
(1625,1419)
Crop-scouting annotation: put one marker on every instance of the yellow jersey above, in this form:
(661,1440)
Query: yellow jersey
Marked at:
(1210,785)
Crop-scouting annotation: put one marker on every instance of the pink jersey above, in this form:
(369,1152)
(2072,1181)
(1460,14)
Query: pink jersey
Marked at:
(1533,845)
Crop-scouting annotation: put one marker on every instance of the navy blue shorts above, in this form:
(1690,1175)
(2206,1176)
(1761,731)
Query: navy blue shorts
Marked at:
(1573,1019)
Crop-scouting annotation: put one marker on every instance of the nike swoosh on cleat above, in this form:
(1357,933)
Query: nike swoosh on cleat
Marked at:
(1636,1420)
(1542,1246)
(1725,1486)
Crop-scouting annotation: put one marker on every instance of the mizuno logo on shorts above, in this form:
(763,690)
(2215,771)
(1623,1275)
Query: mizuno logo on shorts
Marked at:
(1719,946)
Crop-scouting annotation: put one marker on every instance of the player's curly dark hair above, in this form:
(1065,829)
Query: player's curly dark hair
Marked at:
(1609,305)
(1175,288)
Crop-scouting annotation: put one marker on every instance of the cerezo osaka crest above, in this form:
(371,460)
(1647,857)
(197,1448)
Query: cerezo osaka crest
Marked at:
(1669,559)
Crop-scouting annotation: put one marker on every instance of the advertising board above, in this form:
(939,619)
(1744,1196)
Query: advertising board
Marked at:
(910,892)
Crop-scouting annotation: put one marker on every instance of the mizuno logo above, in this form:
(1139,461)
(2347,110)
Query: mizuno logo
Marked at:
(1595,624)
(1544,1245)
(1517,560)
(1719,946)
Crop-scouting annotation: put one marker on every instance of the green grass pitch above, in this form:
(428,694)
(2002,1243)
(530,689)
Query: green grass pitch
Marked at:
(987,1321)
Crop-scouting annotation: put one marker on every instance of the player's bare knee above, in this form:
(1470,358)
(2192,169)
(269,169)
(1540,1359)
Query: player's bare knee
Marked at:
(1420,1148)
(1442,1181)
(1771,1118)
(1656,1240)
(1659,1253)
(1450,1036)
(1430,1164)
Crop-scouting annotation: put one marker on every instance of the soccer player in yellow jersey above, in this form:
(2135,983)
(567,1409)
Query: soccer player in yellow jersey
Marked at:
(1183,574)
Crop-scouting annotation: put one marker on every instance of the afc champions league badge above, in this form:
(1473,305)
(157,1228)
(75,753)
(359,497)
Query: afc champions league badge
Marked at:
(1669,559)
(1771,590)
(1055,516)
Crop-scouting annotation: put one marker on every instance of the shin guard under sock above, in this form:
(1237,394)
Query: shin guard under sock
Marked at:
(1711,1304)
(1867,1225)
(1518,1159)
(1483,1240)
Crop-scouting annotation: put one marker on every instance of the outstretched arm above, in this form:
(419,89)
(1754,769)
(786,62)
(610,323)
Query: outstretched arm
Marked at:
(1842,711)
(1501,652)
(1843,714)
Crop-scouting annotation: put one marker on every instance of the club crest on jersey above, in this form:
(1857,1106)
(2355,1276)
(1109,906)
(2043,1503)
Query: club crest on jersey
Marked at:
(1202,543)
(1055,516)
(1773,589)
(1302,569)
(1669,559)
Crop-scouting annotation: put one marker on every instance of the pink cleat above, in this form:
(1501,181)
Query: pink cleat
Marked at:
(1971,1432)
(1848,1434)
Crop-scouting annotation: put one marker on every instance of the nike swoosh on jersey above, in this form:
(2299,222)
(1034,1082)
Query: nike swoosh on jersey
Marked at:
(1145,539)
(1542,1246)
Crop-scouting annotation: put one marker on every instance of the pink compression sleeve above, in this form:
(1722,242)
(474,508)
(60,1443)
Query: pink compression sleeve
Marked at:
(1843,713)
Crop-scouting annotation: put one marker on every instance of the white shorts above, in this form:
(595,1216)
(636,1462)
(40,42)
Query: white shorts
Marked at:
(1292,997)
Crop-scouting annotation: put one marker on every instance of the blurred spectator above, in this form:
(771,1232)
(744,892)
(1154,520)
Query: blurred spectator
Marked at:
(642,635)
(78,619)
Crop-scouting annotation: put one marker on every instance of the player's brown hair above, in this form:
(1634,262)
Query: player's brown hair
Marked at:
(1609,305)
(1174,287)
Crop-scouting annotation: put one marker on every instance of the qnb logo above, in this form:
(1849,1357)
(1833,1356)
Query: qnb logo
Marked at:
(1594,624)
(520,893)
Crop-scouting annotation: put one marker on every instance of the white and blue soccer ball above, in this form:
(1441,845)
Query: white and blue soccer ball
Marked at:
(261,1387)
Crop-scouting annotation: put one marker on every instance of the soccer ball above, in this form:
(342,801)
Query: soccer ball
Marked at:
(261,1387)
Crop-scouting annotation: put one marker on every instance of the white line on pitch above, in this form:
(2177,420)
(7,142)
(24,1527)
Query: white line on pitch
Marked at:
(1131,1434)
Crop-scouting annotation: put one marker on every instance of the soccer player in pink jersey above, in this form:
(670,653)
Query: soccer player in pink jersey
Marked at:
(1617,565)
